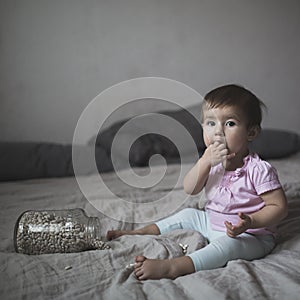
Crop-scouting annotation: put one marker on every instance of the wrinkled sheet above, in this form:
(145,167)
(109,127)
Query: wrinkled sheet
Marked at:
(101,274)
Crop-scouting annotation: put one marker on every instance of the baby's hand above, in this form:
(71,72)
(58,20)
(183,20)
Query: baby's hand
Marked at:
(243,225)
(217,151)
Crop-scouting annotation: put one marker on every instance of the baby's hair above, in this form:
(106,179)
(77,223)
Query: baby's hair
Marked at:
(238,96)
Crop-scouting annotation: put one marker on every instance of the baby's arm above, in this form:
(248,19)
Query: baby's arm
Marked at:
(196,178)
(272,213)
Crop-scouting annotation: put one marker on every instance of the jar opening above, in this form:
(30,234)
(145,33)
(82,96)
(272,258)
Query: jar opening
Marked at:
(93,228)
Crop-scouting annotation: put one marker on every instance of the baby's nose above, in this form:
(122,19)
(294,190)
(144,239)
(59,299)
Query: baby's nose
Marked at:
(219,130)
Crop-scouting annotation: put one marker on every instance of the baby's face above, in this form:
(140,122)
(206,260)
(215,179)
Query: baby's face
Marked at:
(228,125)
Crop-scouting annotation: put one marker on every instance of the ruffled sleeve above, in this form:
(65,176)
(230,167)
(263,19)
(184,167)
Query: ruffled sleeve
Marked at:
(264,177)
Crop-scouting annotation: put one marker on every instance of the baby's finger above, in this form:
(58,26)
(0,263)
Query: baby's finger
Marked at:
(230,156)
(218,145)
(219,138)
(230,233)
(228,225)
(222,151)
(242,215)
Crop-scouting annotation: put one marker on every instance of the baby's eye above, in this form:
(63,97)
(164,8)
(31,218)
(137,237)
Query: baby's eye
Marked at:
(210,123)
(230,123)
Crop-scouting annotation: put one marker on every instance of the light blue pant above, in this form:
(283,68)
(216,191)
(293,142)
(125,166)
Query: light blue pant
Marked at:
(221,248)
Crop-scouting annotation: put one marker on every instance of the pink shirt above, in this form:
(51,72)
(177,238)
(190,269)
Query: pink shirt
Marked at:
(230,192)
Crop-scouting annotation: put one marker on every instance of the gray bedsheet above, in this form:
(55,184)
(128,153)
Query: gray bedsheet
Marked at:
(101,274)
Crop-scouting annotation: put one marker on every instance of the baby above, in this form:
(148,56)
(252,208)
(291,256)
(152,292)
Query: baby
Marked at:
(245,199)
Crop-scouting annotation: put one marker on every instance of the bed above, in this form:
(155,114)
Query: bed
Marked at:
(102,274)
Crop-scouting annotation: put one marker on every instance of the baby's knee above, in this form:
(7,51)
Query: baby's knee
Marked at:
(190,215)
(189,211)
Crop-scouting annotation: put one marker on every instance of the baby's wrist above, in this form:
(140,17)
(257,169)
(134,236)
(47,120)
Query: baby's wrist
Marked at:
(205,162)
(206,159)
(251,222)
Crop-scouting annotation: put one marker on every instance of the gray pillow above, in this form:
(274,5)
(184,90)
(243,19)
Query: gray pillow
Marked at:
(271,143)
(149,144)
(274,143)
(28,160)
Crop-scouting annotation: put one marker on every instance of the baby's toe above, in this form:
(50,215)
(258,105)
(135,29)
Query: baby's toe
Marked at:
(140,259)
(138,264)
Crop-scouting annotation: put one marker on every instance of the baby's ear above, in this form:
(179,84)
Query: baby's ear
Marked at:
(253,132)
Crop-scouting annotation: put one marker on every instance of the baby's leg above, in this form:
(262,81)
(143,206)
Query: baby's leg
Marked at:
(224,249)
(188,218)
(149,229)
(146,268)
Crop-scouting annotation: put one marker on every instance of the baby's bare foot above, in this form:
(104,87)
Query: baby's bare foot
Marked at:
(146,268)
(113,234)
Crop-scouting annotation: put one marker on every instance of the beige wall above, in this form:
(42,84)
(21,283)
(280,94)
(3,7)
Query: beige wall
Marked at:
(56,56)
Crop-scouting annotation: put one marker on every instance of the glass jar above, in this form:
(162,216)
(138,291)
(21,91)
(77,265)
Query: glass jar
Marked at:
(57,231)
